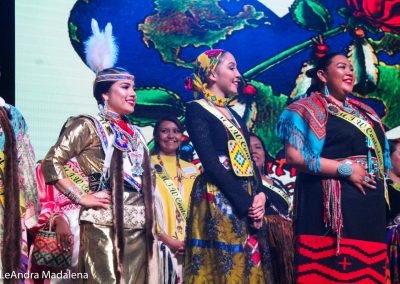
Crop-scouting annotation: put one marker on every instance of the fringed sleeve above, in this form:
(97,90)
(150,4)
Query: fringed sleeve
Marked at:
(388,162)
(302,124)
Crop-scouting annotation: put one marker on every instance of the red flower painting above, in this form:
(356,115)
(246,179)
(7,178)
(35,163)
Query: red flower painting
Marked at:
(383,14)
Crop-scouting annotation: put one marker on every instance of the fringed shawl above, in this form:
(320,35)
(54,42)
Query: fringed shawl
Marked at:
(303,125)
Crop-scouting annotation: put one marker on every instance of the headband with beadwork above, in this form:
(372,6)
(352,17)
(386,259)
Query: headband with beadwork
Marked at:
(114,77)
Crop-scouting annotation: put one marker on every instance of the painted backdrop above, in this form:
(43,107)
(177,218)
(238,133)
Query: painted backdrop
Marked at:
(274,42)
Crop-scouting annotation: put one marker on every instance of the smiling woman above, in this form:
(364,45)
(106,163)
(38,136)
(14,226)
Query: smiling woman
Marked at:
(226,240)
(280,232)
(116,96)
(174,182)
(116,221)
(338,146)
(113,154)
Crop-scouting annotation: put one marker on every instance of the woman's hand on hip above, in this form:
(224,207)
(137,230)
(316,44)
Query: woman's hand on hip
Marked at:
(100,199)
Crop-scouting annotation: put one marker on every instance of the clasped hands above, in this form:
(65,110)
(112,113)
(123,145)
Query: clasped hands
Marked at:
(257,210)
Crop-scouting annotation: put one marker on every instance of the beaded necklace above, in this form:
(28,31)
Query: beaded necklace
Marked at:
(126,138)
(112,116)
(222,102)
(349,108)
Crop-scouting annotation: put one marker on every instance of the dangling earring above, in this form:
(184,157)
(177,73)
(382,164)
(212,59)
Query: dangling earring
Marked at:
(326,91)
(105,107)
(101,108)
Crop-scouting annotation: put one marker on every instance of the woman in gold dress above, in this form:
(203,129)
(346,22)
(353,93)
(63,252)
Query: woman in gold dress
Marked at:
(117,216)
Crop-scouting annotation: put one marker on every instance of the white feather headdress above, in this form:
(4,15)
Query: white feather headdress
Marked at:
(101,49)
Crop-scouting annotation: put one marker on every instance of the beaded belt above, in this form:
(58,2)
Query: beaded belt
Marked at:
(94,184)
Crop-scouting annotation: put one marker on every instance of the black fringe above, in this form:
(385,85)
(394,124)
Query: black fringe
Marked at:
(11,254)
(117,185)
(148,202)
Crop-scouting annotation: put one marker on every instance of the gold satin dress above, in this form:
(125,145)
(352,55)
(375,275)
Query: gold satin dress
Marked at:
(79,139)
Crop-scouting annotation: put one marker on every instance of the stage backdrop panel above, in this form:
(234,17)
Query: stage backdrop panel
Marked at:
(274,42)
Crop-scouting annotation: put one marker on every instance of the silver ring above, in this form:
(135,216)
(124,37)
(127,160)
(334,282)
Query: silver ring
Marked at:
(367,179)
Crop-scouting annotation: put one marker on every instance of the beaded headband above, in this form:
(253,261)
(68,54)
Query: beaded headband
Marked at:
(114,77)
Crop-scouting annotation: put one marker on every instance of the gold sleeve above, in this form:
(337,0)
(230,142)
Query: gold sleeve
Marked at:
(78,134)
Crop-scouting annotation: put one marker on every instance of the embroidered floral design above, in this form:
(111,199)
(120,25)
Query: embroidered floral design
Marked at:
(197,192)
(225,262)
(211,226)
(189,228)
(134,214)
(238,227)
(248,264)
(197,262)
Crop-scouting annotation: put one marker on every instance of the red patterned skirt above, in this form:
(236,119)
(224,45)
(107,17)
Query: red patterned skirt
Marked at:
(362,256)
(358,261)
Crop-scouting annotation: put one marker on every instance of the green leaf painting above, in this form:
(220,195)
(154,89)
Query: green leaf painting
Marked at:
(265,115)
(311,15)
(182,23)
(153,103)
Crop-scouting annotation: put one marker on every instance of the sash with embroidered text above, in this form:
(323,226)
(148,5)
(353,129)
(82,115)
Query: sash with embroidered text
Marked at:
(238,150)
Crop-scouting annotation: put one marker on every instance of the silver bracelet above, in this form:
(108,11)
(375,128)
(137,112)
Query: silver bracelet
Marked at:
(345,169)
(74,194)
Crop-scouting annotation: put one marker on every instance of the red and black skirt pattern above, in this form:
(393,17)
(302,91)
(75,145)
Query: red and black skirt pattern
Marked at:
(317,261)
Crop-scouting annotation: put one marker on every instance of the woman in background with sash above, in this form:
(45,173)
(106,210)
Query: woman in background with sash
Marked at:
(116,222)
(225,240)
(339,148)
(393,212)
(174,182)
(280,227)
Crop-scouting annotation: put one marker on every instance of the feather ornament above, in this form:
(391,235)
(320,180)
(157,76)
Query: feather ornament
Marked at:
(101,49)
